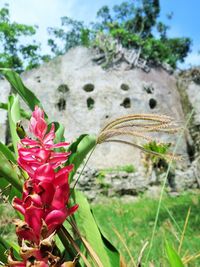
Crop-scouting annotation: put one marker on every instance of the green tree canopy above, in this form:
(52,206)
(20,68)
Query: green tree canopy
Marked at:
(18,50)
(135,24)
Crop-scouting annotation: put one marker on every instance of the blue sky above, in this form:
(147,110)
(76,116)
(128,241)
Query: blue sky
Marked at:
(45,13)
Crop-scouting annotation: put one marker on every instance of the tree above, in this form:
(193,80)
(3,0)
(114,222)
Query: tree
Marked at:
(71,34)
(135,24)
(14,54)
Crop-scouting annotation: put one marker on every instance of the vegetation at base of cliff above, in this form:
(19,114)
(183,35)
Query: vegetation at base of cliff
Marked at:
(134,25)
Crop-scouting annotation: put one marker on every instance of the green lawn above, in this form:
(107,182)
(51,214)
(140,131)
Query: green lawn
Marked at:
(134,222)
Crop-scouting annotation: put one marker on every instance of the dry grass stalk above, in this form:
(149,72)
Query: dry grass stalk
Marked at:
(141,253)
(88,247)
(75,246)
(188,259)
(125,246)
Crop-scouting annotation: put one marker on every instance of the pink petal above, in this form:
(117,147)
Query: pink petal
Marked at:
(18,205)
(34,199)
(46,192)
(55,218)
(60,197)
(48,139)
(33,217)
(62,175)
(29,142)
(40,129)
(44,173)
(61,144)
(71,210)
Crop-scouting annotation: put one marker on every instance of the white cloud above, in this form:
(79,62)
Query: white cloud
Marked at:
(193,59)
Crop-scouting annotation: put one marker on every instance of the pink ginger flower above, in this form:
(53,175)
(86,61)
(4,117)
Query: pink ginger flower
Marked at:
(34,153)
(46,191)
(43,203)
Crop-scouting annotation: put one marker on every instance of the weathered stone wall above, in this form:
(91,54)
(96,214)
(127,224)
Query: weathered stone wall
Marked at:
(4,93)
(83,96)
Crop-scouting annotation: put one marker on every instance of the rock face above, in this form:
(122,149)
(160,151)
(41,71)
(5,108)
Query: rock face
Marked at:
(83,96)
(4,93)
(188,84)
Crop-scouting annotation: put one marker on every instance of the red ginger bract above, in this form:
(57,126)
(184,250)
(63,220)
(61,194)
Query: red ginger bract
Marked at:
(46,191)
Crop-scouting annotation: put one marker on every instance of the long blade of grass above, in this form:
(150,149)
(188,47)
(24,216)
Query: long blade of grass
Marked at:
(125,246)
(163,187)
(184,229)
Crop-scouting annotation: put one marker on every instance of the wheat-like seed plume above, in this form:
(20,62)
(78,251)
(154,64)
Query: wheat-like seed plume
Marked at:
(138,125)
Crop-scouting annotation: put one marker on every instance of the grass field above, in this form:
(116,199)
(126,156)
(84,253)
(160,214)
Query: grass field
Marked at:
(131,224)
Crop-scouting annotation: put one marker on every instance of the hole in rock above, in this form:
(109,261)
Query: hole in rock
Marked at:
(125,87)
(149,89)
(90,103)
(152,103)
(89,87)
(126,103)
(61,104)
(63,88)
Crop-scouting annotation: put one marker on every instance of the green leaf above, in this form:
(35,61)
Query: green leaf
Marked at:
(8,190)
(7,153)
(9,172)
(15,81)
(14,117)
(173,257)
(5,246)
(79,150)
(59,132)
(88,228)
(111,250)
(23,113)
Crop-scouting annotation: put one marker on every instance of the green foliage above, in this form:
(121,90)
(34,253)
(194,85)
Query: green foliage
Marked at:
(13,118)
(72,33)
(159,161)
(134,222)
(173,257)
(10,172)
(79,150)
(14,54)
(88,227)
(17,85)
(123,168)
(161,148)
(7,153)
(135,24)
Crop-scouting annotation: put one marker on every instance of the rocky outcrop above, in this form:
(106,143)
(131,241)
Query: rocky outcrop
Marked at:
(97,184)
(83,96)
